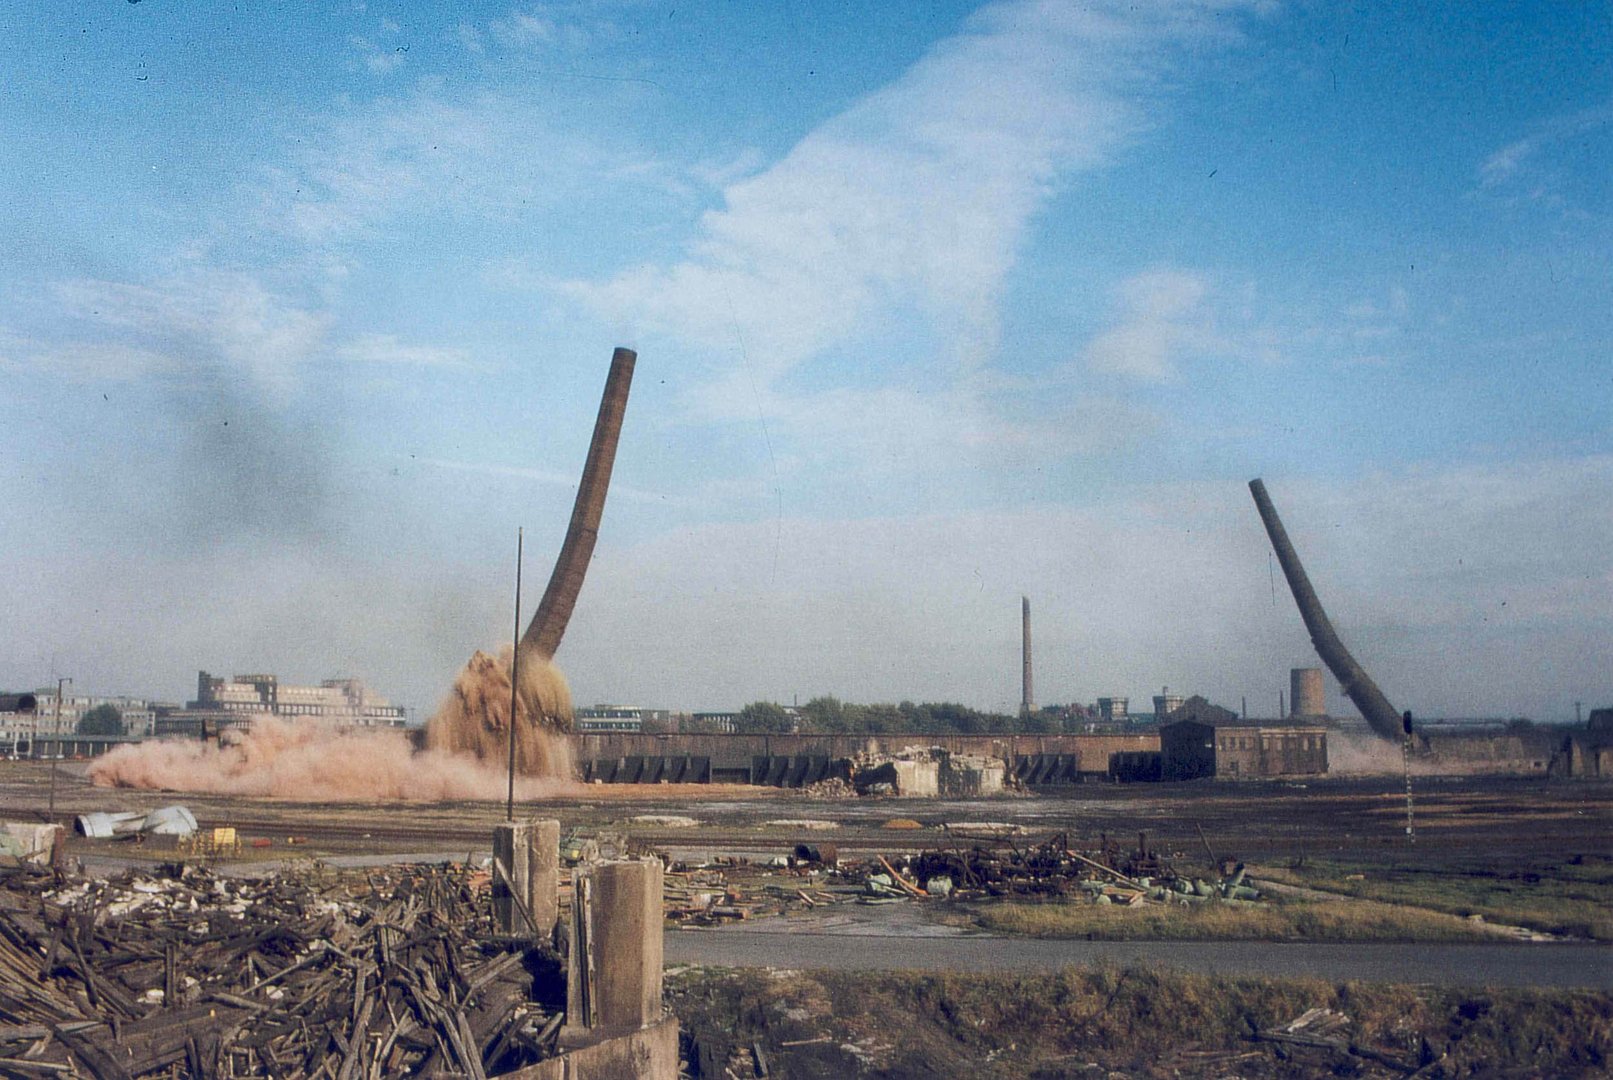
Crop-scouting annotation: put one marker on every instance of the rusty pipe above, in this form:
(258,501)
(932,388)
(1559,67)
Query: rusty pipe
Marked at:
(1352,677)
(548,624)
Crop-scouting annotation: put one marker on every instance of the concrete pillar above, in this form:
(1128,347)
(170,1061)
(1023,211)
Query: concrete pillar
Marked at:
(613,982)
(528,903)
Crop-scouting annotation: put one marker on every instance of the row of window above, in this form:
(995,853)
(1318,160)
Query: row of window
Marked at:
(1247,742)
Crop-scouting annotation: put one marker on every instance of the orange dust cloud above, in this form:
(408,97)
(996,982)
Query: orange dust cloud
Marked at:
(309,761)
(475,718)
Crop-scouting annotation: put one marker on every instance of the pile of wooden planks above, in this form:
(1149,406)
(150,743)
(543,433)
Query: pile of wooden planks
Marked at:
(296,975)
(707,896)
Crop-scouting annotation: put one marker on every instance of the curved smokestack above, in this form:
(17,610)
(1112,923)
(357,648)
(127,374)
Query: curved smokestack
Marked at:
(1356,683)
(548,625)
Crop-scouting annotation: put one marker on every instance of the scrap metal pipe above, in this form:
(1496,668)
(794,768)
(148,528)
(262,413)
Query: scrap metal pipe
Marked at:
(548,624)
(1353,679)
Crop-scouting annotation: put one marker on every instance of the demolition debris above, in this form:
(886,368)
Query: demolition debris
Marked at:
(188,974)
(979,861)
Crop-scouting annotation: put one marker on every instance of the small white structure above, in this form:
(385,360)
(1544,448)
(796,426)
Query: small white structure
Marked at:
(168,821)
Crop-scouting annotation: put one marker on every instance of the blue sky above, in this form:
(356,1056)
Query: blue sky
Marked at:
(936,304)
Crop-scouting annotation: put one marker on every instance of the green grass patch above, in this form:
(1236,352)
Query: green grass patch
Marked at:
(1559,896)
(1362,920)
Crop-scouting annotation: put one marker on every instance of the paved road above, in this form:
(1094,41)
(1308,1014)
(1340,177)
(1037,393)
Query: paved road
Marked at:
(1556,965)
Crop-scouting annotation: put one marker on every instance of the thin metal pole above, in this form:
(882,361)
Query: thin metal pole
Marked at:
(515,676)
(1405,746)
(56,751)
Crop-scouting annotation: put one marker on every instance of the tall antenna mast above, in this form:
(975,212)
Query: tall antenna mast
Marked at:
(1027,700)
(515,677)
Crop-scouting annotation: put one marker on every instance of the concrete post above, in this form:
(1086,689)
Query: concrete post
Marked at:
(526,902)
(613,982)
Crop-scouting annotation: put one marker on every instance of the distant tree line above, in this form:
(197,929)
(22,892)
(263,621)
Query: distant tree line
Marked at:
(831,716)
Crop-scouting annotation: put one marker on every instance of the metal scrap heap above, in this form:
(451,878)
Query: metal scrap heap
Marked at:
(189,974)
(979,862)
(1054,868)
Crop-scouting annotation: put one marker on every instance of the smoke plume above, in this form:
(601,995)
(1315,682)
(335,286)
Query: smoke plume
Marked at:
(475,718)
(310,761)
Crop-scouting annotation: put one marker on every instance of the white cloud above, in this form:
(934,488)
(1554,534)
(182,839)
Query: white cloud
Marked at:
(1161,315)
(1504,164)
(551,29)
(88,361)
(1165,317)
(1532,168)
(918,197)
(526,29)
(546,477)
(435,151)
(387,350)
(201,319)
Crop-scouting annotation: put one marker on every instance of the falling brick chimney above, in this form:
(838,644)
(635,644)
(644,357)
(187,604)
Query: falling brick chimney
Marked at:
(548,624)
(1352,677)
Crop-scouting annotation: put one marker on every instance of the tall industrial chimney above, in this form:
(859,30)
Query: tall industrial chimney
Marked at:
(1353,679)
(548,624)
(1306,693)
(1027,704)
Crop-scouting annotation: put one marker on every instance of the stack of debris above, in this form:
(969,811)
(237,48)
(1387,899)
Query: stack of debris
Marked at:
(188,974)
(1055,869)
(835,787)
(984,859)
(926,771)
(733,889)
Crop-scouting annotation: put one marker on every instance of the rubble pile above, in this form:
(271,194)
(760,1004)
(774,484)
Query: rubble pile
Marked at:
(982,860)
(834,787)
(188,974)
(1053,868)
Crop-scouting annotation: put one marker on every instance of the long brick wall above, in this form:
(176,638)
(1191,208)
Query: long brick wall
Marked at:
(737,751)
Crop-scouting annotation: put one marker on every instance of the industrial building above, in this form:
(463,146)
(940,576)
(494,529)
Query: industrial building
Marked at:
(1166,703)
(1113,709)
(345,701)
(1241,750)
(618,718)
(1588,752)
(27,718)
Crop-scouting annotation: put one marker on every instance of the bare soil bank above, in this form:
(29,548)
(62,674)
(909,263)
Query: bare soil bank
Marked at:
(1137,1023)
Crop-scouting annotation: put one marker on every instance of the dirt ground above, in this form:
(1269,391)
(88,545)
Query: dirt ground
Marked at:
(1459,821)
(1112,1024)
